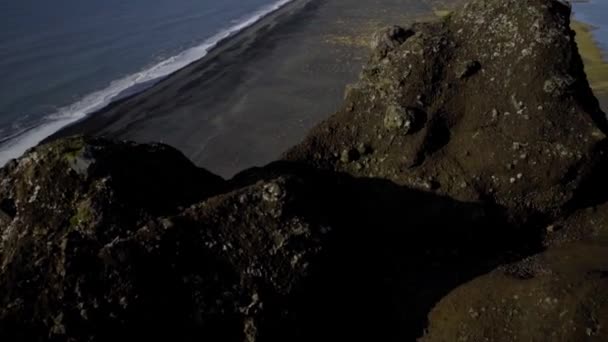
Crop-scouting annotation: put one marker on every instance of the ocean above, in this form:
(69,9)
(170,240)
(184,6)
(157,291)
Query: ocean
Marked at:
(64,59)
(61,60)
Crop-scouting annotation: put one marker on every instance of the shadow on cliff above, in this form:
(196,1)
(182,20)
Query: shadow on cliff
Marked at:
(395,252)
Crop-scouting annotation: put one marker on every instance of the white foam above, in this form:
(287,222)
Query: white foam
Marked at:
(15,147)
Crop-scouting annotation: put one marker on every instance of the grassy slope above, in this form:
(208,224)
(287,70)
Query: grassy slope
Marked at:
(595,63)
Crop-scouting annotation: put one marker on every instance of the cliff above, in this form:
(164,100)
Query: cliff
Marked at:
(458,194)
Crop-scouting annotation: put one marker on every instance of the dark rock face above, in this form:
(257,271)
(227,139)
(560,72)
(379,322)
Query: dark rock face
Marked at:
(389,38)
(462,179)
(504,110)
(278,255)
(70,231)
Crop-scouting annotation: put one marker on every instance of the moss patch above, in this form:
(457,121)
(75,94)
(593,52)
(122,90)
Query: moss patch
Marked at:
(70,149)
(83,214)
(596,67)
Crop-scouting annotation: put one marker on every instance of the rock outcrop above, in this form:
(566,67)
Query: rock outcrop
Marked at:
(102,240)
(489,104)
(457,195)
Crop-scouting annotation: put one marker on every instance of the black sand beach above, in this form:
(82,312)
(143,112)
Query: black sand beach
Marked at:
(259,92)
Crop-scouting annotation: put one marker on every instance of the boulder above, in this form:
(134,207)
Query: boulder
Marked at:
(74,248)
(502,103)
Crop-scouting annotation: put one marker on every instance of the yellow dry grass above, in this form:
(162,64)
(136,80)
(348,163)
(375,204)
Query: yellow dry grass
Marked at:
(441,12)
(596,67)
(348,40)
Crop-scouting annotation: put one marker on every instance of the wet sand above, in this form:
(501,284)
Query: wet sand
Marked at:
(260,92)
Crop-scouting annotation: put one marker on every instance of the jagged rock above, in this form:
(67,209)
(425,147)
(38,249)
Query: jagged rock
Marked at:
(389,38)
(399,119)
(272,255)
(95,247)
(558,85)
(74,209)
(461,136)
(363,149)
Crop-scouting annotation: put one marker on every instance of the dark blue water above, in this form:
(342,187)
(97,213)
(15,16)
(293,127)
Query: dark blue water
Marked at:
(62,59)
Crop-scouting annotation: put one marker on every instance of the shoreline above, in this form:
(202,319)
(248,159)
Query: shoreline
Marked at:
(98,101)
(98,119)
(206,109)
(220,46)
(259,92)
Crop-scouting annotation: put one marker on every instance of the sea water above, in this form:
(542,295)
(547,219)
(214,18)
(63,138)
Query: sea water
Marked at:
(61,60)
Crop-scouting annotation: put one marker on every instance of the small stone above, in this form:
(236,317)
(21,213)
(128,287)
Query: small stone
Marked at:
(363,148)
(344,156)
(474,314)
(518,105)
(512,180)
(399,118)
(550,228)
(272,192)
(558,84)
(519,176)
